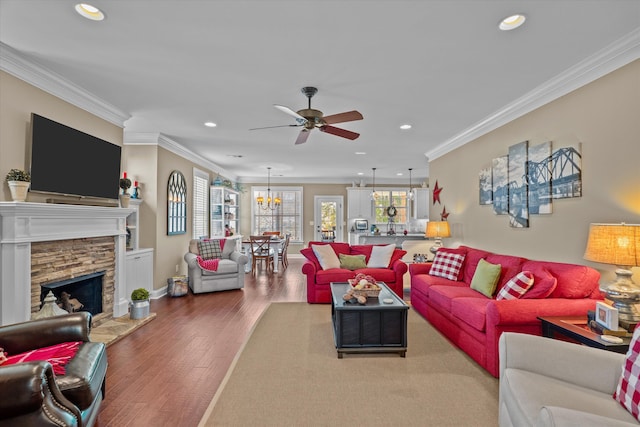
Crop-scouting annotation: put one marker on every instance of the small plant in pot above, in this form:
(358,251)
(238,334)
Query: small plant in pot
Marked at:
(18,181)
(139,303)
(125,184)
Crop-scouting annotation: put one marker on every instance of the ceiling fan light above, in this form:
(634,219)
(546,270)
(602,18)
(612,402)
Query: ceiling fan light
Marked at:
(512,22)
(90,12)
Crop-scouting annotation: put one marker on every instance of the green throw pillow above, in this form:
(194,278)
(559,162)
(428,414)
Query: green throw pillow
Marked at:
(486,278)
(352,262)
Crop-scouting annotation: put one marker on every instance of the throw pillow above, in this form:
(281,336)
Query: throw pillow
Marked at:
(352,262)
(58,355)
(326,256)
(516,286)
(543,285)
(209,249)
(380,256)
(396,255)
(311,256)
(446,265)
(486,277)
(628,390)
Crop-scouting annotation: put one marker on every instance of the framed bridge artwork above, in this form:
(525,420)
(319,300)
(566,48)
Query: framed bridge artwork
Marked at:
(526,181)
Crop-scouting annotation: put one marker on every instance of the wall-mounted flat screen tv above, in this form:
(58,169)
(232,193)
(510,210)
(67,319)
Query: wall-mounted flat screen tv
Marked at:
(70,162)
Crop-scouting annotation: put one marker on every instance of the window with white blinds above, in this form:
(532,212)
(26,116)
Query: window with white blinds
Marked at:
(200,204)
(286,218)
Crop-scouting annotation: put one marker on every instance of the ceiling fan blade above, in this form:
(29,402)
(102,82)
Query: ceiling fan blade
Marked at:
(271,127)
(339,132)
(289,111)
(302,136)
(348,116)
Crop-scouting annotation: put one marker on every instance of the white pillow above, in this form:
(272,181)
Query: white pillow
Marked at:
(326,256)
(380,256)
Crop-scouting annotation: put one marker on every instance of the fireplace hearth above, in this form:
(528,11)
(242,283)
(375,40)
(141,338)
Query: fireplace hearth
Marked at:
(83,293)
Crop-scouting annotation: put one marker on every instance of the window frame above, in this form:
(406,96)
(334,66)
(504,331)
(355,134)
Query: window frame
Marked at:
(278,191)
(197,208)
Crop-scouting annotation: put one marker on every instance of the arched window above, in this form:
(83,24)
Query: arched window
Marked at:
(176,204)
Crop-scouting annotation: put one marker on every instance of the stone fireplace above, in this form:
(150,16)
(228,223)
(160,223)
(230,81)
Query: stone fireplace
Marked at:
(44,243)
(82,293)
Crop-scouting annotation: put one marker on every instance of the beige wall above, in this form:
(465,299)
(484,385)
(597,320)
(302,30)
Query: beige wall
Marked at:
(17,101)
(605,117)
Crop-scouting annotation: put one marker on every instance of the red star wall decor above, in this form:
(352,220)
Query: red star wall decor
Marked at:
(444,214)
(436,193)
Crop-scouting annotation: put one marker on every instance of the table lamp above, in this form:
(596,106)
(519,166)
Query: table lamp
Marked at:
(618,244)
(437,230)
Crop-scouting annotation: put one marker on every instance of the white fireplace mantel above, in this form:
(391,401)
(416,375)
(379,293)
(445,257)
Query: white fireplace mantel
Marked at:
(23,223)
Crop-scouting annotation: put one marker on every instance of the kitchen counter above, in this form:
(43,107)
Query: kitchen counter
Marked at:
(397,239)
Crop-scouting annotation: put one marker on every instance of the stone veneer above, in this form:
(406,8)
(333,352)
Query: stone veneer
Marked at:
(55,261)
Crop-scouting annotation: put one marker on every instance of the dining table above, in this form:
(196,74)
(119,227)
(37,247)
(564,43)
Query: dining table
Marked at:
(276,245)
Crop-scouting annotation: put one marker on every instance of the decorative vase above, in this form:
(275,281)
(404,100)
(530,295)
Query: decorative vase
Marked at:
(19,190)
(124,200)
(139,309)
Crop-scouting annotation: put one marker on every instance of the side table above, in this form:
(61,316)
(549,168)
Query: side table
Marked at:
(576,329)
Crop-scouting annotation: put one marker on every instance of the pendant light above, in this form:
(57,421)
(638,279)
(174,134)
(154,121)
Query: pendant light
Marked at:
(410,195)
(276,200)
(373,195)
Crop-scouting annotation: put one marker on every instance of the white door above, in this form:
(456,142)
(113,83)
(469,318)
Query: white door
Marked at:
(328,216)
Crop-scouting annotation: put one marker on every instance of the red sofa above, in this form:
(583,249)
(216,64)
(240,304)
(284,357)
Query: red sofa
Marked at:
(475,322)
(318,280)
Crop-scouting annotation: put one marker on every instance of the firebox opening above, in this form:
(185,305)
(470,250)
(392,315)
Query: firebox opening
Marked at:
(83,293)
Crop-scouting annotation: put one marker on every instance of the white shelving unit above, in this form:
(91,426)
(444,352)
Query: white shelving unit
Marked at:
(138,261)
(225,210)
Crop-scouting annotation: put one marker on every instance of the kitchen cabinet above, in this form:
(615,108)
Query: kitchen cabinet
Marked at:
(359,202)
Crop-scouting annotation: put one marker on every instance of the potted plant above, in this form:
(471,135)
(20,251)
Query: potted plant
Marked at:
(125,184)
(139,303)
(19,182)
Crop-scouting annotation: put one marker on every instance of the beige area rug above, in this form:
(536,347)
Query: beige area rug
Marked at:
(288,374)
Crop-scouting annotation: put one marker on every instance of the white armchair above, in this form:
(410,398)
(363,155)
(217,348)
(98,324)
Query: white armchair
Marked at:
(229,275)
(546,382)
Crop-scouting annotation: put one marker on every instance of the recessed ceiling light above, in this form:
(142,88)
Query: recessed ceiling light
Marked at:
(360,173)
(405,127)
(89,12)
(512,22)
(210,124)
(399,174)
(360,153)
(236,156)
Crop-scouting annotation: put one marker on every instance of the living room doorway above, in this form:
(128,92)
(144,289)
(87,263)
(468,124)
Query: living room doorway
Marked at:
(328,214)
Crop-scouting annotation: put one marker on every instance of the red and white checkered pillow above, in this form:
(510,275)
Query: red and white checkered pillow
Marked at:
(516,286)
(628,390)
(446,265)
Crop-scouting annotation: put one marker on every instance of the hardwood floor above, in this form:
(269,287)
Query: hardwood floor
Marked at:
(166,373)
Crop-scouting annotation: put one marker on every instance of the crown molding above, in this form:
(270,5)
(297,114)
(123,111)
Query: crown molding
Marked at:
(160,140)
(616,55)
(12,62)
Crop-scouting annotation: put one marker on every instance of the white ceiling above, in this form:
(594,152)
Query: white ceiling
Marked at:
(442,66)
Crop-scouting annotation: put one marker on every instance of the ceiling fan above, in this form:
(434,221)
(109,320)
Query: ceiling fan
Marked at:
(311,119)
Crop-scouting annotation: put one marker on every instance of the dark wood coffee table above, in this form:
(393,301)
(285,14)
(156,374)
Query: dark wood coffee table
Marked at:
(576,329)
(374,327)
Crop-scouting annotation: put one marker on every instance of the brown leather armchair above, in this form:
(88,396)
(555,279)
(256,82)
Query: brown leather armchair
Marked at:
(32,395)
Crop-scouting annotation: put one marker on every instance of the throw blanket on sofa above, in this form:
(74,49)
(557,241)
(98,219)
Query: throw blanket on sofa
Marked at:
(58,355)
(208,264)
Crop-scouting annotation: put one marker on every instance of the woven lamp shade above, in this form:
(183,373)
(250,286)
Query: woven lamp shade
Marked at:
(438,229)
(617,244)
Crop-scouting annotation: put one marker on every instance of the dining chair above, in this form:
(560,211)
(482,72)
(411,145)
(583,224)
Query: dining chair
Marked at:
(261,250)
(282,251)
(271,233)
